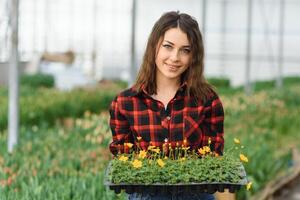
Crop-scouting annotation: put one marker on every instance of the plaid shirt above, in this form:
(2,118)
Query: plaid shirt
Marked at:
(136,114)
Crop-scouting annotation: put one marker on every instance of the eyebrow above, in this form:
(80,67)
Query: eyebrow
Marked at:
(186,46)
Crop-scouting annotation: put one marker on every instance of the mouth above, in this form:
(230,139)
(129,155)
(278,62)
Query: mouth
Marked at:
(172,67)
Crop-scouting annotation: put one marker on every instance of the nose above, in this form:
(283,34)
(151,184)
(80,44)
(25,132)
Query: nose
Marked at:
(174,55)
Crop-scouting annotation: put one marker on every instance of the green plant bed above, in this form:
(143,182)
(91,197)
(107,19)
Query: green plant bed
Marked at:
(46,106)
(202,171)
(37,80)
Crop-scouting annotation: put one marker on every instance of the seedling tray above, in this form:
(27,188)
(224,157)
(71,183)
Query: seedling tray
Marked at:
(155,188)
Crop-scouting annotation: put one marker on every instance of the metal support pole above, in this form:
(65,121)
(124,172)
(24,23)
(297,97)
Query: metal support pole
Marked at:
(223,37)
(95,46)
(133,67)
(279,81)
(248,87)
(13,118)
(204,13)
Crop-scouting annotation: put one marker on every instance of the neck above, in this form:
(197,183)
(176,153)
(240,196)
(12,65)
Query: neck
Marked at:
(165,85)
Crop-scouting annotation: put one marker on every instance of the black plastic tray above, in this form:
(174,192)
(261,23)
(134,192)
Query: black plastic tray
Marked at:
(175,188)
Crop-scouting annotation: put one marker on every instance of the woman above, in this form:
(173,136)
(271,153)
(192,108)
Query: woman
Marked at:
(171,100)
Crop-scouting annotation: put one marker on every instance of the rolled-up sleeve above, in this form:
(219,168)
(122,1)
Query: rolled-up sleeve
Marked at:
(120,128)
(214,125)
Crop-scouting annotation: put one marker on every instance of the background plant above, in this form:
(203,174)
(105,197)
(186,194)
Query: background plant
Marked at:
(49,161)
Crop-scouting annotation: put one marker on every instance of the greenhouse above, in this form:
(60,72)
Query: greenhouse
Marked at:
(83,116)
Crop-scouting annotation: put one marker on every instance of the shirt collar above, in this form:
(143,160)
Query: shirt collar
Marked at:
(134,91)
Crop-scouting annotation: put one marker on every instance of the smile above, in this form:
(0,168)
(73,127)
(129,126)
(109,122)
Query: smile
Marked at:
(172,66)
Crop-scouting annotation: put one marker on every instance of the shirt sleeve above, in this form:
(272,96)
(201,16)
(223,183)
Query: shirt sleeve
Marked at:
(214,125)
(120,129)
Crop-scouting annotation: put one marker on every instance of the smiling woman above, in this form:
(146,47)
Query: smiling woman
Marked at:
(171,102)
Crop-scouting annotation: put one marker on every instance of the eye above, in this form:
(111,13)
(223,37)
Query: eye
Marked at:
(167,46)
(185,51)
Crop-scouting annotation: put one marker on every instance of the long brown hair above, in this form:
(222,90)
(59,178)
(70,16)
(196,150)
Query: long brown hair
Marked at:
(193,76)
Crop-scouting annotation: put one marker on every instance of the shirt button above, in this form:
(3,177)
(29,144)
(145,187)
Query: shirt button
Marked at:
(168,117)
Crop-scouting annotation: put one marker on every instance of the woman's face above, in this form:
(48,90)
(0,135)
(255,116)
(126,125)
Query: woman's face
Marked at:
(174,54)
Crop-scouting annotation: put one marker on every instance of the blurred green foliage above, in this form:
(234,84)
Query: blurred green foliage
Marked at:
(46,106)
(68,162)
(219,82)
(37,80)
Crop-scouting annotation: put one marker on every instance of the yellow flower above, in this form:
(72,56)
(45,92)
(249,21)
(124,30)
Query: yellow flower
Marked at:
(123,158)
(182,159)
(128,144)
(155,150)
(249,185)
(138,138)
(201,151)
(209,140)
(142,154)
(166,157)
(243,158)
(160,162)
(151,147)
(237,141)
(136,163)
(185,148)
(206,149)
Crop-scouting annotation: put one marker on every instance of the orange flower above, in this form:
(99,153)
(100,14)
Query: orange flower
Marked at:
(128,144)
(243,158)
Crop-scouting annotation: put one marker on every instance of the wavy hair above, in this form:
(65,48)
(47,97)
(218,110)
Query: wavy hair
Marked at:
(197,85)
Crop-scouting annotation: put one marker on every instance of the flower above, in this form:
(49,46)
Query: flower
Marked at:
(209,140)
(138,138)
(184,142)
(136,163)
(237,141)
(151,147)
(185,148)
(249,185)
(123,158)
(128,144)
(243,158)
(160,162)
(207,149)
(142,154)
(156,150)
(201,151)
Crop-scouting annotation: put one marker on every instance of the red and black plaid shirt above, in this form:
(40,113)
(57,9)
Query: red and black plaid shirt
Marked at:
(136,114)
